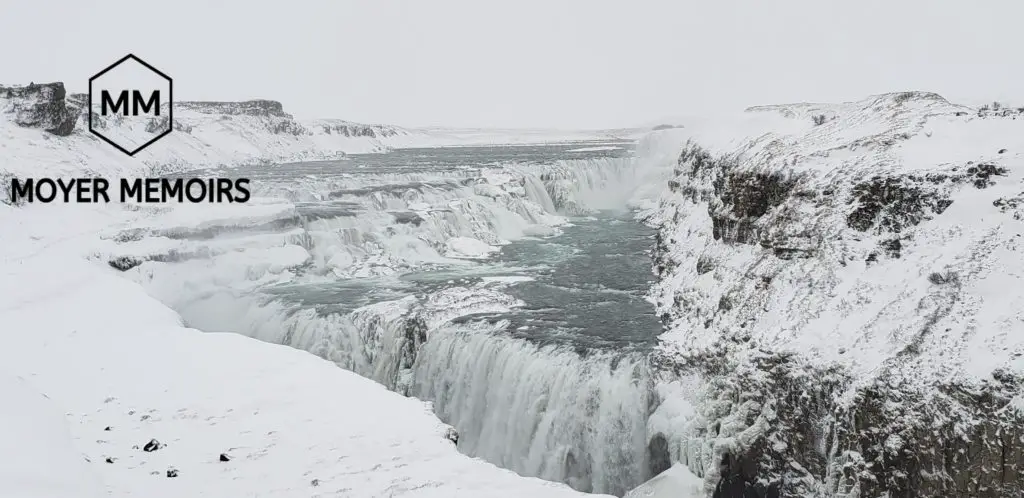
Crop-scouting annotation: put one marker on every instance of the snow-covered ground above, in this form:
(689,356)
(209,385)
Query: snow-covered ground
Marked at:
(291,424)
(120,369)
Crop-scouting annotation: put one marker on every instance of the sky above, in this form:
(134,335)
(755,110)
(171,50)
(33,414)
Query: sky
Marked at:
(582,64)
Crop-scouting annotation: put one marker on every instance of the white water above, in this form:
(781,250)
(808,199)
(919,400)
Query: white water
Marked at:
(542,412)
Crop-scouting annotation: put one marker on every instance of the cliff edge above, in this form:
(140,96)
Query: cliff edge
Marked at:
(844,290)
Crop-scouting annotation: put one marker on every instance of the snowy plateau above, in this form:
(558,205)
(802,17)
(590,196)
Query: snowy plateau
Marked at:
(839,285)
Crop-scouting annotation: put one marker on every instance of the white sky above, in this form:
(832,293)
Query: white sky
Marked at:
(547,63)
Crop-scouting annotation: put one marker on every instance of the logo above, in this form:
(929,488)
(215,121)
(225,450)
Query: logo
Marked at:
(131,104)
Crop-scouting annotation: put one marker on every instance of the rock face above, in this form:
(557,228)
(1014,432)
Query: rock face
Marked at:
(40,106)
(845,302)
(358,130)
(245,108)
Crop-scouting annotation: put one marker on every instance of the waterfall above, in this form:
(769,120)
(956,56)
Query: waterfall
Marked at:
(543,411)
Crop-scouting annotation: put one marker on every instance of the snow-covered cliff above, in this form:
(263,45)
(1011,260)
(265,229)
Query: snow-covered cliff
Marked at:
(844,286)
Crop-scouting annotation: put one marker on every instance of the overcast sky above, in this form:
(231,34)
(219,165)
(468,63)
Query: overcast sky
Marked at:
(522,63)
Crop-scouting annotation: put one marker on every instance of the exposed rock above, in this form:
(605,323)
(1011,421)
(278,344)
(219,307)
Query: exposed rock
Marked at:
(452,435)
(1014,205)
(152,446)
(760,254)
(124,263)
(890,204)
(260,108)
(358,130)
(160,124)
(41,106)
(981,174)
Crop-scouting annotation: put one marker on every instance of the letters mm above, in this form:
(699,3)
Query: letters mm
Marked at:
(137,100)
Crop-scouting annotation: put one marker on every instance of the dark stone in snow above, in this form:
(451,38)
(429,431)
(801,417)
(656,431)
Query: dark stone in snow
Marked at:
(224,457)
(891,204)
(151,446)
(172,472)
(452,435)
(124,263)
(109,460)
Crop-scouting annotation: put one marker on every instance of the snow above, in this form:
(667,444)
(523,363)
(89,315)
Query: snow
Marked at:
(468,247)
(108,354)
(42,461)
(468,137)
(676,482)
(211,139)
(854,313)
(943,313)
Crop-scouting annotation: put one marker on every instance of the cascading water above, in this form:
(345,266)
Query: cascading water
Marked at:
(544,412)
(452,276)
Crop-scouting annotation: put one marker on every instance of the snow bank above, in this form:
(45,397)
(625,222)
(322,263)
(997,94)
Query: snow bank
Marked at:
(111,356)
(676,482)
(39,459)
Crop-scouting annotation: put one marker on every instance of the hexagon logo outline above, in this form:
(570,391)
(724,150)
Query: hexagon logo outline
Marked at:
(170,104)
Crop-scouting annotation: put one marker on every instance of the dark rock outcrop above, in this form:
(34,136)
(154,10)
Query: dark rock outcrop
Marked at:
(890,204)
(41,106)
(359,130)
(259,108)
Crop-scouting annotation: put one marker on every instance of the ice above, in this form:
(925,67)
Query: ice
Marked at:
(594,149)
(468,247)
